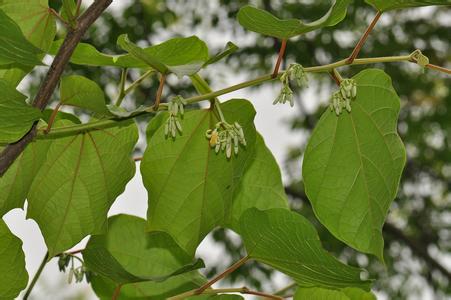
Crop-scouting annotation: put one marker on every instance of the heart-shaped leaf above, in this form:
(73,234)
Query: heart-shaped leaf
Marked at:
(82,92)
(127,253)
(353,164)
(14,277)
(14,47)
(316,293)
(263,22)
(289,243)
(385,5)
(191,187)
(75,187)
(16,116)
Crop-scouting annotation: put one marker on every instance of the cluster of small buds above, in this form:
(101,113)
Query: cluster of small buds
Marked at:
(341,99)
(77,273)
(225,136)
(295,72)
(176,110)
(421,59)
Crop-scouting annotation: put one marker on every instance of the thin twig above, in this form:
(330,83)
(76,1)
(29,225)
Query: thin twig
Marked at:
(279,58)
(73,37)
(117,292)
(77,11)
(159,91)
(334,76)
(285,289)
(121,94)
(58,16)
(363,38)
(36,276)
(438,68)
(52,118)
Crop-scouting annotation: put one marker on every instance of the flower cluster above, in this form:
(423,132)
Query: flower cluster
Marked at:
(225,136)
(341,99)
(295,72)
(176,110)
(78,273)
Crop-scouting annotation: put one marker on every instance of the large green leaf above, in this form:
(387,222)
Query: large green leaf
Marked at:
(260,187)
(80,91)
(181,56)
(265,23)
(34,19)
(384,5)
(104,287)
(190,186)
(353,164)
(16,117)
(289,243)
(14,277)
(127,253)
(75,187)
(316,293)
(14,47)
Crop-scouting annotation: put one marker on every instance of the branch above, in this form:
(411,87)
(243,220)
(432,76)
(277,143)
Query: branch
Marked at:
(12,151)
(417,248)
(279,58)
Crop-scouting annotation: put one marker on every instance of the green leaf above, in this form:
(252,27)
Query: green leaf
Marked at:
(261,186)
(181,56)
(316,293)
(265,23)
(126,253)
(14,47)
(121,112)
(17,116)
(34,19)
(82,92)
(68,11)
(81,178)
(16,182)
(229,49)
(385,5)
(190,186)
(289,243)
(14,277)
(104,287)
(216,297)
(353,164)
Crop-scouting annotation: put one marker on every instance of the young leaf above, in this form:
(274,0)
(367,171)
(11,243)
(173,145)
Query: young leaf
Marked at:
(289,243)
(353,164)
(126,253)
(265,23)
(16,116)
(14,47)
(317,293)
(75,187)
(104,287)
(385,5)
(229,49)
(181,56)
(190,186)
(80,91)
(14,277)
(260,187)
(34,19)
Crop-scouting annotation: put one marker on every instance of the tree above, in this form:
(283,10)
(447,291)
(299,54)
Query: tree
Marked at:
(200,167)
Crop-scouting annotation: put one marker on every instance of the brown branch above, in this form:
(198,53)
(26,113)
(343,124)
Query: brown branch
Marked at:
(438,68)
(12,151)
(417,248)
(279,58)
(222,275)
(363,38)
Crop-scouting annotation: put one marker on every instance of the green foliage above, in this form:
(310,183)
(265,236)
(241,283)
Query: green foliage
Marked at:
(79,91)
(265,23)
(384,5)
(353,164)
(73,190)
(13,277)
(127,254)
(317,293)
(17,116)
(289,243)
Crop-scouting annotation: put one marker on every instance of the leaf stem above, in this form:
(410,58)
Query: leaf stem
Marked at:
(438,68)
(285,289)
(77,12)
(241,290)
(363,38)
(220,276)
(52,118)
(36,276)
(117,292)
(159,91)
(58,16)
(122,94)
(279,58)
(217,106)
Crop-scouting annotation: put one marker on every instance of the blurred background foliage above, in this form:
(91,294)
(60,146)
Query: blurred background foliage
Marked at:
(418,231)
